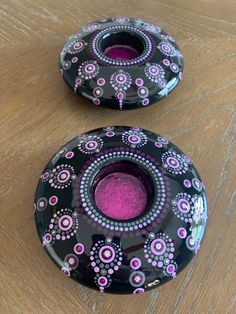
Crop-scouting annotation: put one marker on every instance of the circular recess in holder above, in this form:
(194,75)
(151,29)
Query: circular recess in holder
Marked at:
(121,63)
(120,209)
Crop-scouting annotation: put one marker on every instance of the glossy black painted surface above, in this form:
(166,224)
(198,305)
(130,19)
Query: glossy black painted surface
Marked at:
(153,70)
(129,256)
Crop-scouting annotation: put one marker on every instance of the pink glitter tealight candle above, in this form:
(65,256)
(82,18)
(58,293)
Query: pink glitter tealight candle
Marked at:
(121,196)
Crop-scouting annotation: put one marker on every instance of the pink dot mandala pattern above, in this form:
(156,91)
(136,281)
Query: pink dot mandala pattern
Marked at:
(59,177)
(121,63)
(106,258)
(63,225)
(159,251)
(90,144)
(134,138)
(121,254)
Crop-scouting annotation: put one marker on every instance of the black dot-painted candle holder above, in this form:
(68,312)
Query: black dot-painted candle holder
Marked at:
(121,254)
(121,63)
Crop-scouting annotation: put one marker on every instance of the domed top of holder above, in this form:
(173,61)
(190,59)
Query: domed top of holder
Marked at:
(121,63)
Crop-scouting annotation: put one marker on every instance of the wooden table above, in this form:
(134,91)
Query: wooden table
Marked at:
(39,113)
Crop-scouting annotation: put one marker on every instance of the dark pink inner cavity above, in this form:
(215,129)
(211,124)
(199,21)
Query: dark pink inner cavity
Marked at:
(121,52)
(121,196)
(122,45)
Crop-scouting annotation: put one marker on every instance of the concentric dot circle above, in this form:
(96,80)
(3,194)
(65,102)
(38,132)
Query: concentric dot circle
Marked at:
(158,247)
(101,82)
(102,281)
(191,243)
(187,183)
(174,67)
(137,278)
(42,204)
(197,184)
(163,140)
(182,233)
(170,268)
(134,139)
(143,92)
(63,176)
(153,70)
(69,155)
(121,78)
(91,145)
(145,101)
(106,254)
(135,263)
(139,82)
(72,261)
(65,222)
(98,91)
(47,238)
(166,62)
(183,205)
(89,68)
(172,162)
(78,45)
(79,248)
(53,200)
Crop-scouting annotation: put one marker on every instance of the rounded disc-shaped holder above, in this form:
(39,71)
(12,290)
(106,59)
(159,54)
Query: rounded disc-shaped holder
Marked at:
(120,209)
(121,63)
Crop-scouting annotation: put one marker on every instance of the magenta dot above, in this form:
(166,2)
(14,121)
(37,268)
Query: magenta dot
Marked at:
(187,183)
(69,155)
(158,144)
(139,82)
(53,200)
(163,84)
(101,81)
(135,263)
(102,281)
(166,62)
(110,133)
(74,60)
(182,233)
(96,101)
(138,291)
(145,101)
(170,268)
(65,271)
(79,248)
(78,81)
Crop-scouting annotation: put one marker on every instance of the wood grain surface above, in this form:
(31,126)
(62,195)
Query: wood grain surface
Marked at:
(39,113)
